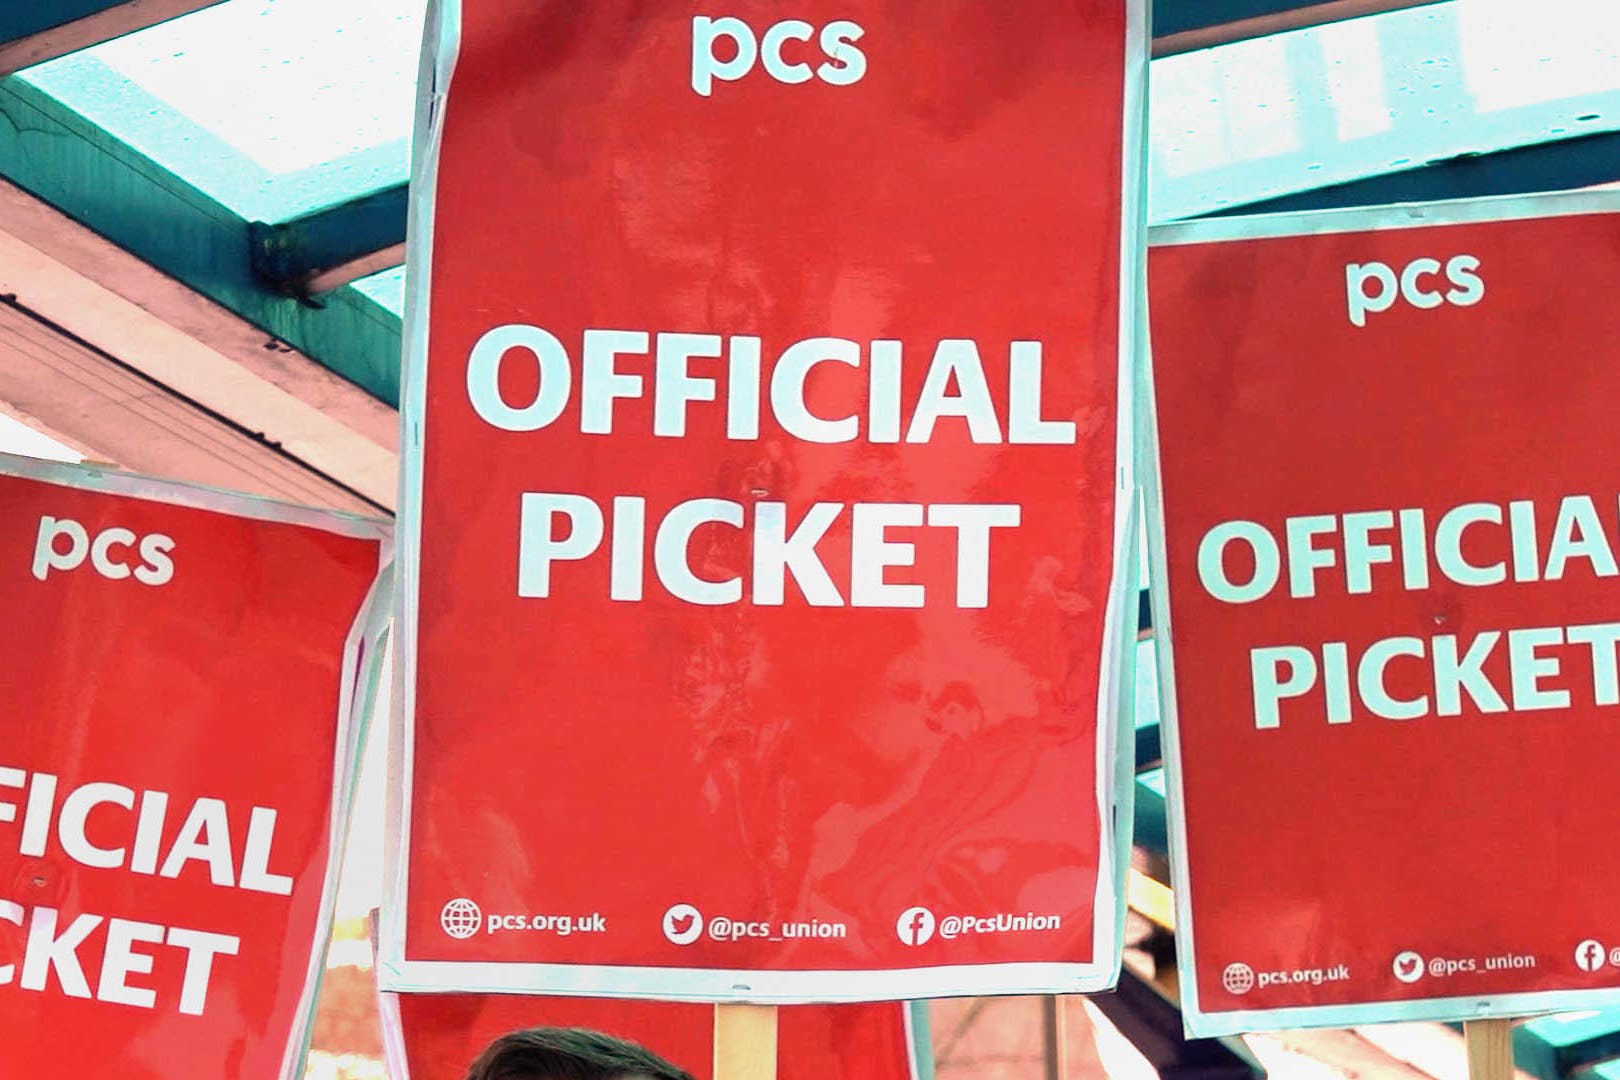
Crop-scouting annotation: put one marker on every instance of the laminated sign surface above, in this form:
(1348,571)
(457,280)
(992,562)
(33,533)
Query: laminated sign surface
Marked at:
(1391,524)
(763,499)
(177,675)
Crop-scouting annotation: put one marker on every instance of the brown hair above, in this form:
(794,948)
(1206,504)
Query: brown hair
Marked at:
(546,1053)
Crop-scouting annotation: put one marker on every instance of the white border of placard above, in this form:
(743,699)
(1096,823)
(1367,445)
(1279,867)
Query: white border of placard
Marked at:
(361,666)
(1311,223)
(1115,761)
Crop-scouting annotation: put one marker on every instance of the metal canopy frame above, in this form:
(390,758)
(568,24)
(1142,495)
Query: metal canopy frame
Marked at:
(292,278)
(341,243)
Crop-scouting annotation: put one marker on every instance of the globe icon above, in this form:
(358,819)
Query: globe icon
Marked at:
(1238,978)
(461,918)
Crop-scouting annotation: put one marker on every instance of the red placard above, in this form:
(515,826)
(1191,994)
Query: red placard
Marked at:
(764,550)
(176,677)
(436,1036)
(1390,529)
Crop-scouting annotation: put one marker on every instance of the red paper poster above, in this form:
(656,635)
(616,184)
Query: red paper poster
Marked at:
(178,672)
(766,527)
(1390,525)
(436,1036)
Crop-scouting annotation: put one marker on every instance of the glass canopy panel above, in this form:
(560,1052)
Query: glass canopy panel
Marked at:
(271,107)
(1311,108)
(386,288)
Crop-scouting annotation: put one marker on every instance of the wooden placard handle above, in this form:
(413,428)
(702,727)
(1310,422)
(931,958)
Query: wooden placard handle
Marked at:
(1490,1049)
(745,1042)
(1054,1036)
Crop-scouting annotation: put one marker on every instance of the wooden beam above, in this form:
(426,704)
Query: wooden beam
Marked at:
(1151,899)
(86,28)
(355,269)
(147,337)
(110,413)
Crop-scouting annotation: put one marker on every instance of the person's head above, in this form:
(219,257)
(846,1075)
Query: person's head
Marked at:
(545,1053)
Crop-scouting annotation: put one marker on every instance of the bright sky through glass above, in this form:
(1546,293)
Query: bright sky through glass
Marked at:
(272,107)
(1316,107)
(18,438)
(387,288)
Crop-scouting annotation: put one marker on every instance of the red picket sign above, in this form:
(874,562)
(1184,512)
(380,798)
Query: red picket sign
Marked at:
(1390,534)
(765,551)
(436,1036)
(179,669)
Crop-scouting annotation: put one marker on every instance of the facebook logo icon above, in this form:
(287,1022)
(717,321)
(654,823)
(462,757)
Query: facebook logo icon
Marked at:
(915,925)
(1590,955)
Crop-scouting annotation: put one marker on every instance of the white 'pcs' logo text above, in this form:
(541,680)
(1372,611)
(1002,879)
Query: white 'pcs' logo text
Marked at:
(64,544)
(1373,287)
(784,51)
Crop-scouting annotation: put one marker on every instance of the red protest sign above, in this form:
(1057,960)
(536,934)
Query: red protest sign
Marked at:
(765,550)
(175,691)
(436,1036)
(1390,535)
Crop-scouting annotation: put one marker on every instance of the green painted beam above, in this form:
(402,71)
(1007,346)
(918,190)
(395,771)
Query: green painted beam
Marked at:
(1551,1047)
(58,156)
(922,1039)
(293,257)
(1149,745)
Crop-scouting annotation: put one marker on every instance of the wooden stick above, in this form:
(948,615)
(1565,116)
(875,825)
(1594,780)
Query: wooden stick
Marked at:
(745,1042)
(1053,1035)
(1490,1049)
